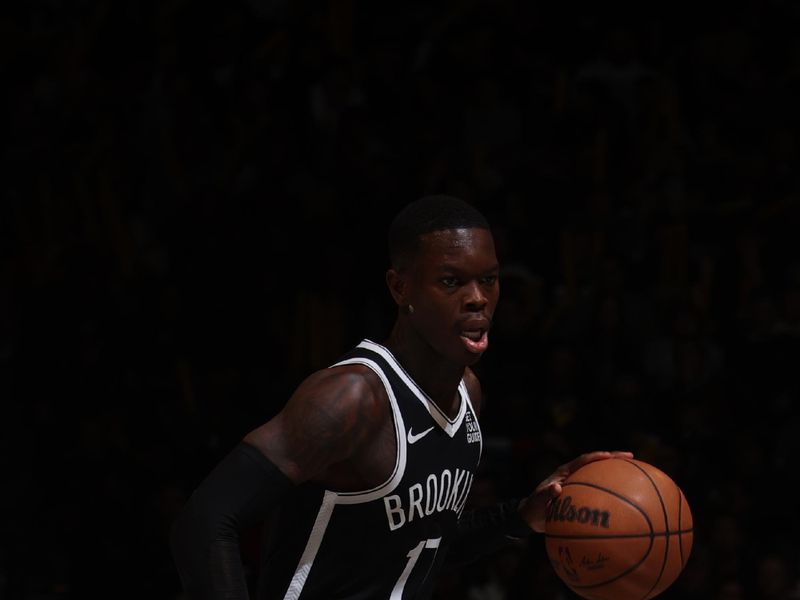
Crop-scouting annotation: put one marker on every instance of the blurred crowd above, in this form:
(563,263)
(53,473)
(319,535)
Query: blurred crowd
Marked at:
(195,202)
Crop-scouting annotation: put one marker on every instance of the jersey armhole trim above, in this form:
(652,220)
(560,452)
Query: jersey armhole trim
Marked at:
(400,436)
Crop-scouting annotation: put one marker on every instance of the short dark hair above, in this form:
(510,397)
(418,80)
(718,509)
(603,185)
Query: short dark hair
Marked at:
(425,215)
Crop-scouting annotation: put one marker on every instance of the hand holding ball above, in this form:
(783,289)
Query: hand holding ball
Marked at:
(620,530)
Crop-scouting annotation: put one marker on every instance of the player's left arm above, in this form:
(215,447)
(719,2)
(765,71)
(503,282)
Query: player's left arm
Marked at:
(484,530)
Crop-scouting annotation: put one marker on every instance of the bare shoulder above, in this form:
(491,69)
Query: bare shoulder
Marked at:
(474,388)
(328,418)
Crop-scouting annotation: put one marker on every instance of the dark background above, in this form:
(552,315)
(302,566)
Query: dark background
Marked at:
(195,200)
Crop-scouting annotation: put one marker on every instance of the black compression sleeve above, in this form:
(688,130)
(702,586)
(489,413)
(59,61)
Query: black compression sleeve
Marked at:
(204,538)
(485,530)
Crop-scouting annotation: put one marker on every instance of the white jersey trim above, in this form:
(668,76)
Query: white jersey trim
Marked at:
(450,426)
(400,435)
(312,547)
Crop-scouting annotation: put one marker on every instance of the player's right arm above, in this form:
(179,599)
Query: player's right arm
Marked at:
(327,420)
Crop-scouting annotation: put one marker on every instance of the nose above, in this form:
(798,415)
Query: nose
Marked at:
(474,297)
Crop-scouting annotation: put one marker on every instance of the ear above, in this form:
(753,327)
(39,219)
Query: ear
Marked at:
(397,286)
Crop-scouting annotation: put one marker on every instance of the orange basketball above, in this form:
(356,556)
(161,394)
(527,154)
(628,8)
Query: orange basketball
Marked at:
(620,530)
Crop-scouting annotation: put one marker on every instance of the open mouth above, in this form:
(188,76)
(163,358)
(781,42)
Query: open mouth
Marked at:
(475,340)
(473,335)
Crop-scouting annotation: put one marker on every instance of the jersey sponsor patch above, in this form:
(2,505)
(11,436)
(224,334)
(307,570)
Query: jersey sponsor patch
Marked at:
(473,430)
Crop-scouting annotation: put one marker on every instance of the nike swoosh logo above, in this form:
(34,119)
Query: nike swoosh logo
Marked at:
(415,438)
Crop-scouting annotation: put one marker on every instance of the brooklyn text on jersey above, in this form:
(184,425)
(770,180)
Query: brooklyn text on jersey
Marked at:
(447,491)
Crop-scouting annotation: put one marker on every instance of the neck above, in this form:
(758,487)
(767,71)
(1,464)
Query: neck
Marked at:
(437,377)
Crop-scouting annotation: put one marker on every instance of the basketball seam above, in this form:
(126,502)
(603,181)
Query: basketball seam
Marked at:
(655,534)
(666,527)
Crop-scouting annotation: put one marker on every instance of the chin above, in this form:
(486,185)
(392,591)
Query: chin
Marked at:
(472,358)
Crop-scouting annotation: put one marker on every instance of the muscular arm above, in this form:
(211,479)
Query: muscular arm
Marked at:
(330,419)
(326,421)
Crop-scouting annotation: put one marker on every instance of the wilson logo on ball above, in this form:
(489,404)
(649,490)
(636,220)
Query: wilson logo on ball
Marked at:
(562,509)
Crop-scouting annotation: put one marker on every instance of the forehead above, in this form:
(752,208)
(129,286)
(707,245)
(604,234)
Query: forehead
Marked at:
(457,246)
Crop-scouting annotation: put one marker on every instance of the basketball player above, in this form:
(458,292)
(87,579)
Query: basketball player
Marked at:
(365,472)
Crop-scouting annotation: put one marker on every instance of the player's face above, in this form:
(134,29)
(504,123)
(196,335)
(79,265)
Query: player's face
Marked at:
(456,288)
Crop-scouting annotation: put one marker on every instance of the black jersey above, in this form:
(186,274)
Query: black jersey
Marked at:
(388,542)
